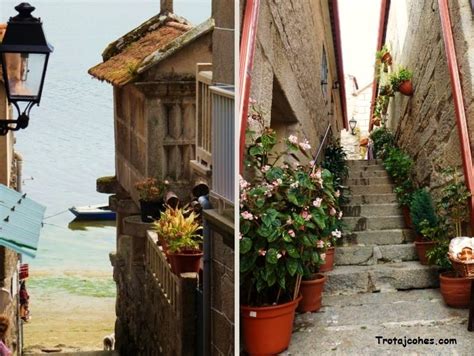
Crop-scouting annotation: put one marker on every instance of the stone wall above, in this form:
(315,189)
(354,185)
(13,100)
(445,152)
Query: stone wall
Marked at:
(221,235)
(424,124)
(286,80)
(223,41)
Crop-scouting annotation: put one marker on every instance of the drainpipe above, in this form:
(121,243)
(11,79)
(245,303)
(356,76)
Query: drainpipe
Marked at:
(19,322)
(247,52)
(384,11)
(459,107)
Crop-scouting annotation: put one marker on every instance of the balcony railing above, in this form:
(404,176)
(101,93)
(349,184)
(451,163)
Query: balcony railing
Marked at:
(204,116)
(223,141)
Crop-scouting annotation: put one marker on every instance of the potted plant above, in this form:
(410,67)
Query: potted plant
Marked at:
(150,192)
(401,81)
(383,56)
(398,164)
(404,192)
(383,139)
(454,210)
(179,229)
(423,216)
(283,207)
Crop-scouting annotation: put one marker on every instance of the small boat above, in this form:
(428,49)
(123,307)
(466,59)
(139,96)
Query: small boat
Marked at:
(93,212)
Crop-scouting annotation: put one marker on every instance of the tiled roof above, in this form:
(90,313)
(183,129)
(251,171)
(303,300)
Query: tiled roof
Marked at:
(3,27)
(145,46)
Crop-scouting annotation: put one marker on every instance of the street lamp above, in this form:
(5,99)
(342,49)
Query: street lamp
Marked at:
(352,125)
(24,55)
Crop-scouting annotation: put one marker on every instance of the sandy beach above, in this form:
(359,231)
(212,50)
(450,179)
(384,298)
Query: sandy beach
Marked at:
(71,311)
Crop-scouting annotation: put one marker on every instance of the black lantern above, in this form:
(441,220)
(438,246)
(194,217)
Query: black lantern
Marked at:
(24,55)
(352,125)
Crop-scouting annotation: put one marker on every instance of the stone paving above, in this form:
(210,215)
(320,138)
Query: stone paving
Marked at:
(378,290)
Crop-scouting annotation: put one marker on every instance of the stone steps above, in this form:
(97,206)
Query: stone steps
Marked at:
(391,209)
(367,198)
(368,174)
(379,237)
(368,181)
(380,278)
(373,254)
(374,223)
(78,353)
(373,189)
(362,163)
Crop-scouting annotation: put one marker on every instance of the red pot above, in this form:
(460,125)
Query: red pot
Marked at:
(329,263)
(189,261)
(406,216)
(456,291)
(311,291)
(387,58)
(422,247)
(267,330)
(406,88)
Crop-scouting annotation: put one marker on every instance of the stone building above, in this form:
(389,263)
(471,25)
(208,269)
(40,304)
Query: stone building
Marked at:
(173,116)
(425,124)
(298,78)
(8,258)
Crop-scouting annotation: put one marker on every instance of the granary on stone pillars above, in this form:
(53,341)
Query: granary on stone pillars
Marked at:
(152,69)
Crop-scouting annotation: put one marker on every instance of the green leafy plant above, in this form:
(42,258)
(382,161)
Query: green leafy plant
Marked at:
(379,54)
(422,211)
(398,164)
(180,229)
(404,192)
(335,161)
(382,139)
(397,78)
(287,206)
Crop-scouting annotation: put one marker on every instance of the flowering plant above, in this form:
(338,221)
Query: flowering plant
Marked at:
(149,189)
(285,216)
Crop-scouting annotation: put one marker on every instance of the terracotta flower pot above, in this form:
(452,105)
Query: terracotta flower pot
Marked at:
(406,216)
(422,247)
(329,263)
(387,58)
(150,210)
(189,261)
(456,291)
(267,330)
(312,291)
(406,88)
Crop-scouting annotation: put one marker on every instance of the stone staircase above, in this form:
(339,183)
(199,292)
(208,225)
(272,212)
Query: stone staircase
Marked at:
(378,253)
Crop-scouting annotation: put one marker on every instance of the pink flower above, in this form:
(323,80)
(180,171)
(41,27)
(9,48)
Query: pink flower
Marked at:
(243,183)
(240,236)
(262,252)
(247,215)
(305,215)
(320,244)
(291,233)
(317,202)
(294,185)
(339,215)
(337,194)
(323,256)
(293,139)
(289,221)
(265,168)
(305,145)
(279,256)
(277,182)
(332,212)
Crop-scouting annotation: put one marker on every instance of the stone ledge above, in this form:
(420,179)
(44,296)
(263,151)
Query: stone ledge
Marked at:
(109,185)
(123,206)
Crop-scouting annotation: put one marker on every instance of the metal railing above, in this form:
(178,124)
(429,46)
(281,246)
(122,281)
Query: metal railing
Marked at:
(323,143)
(223,142)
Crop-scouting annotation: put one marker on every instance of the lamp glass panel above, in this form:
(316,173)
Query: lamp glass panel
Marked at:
(24,74)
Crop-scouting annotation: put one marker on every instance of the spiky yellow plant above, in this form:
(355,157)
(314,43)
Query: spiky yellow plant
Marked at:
(179,228)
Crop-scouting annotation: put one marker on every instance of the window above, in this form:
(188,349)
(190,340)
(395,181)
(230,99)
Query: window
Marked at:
(324,73)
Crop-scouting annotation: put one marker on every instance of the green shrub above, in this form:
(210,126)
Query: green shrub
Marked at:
(397,78)
(382,138)
(398,164)
(422,209)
